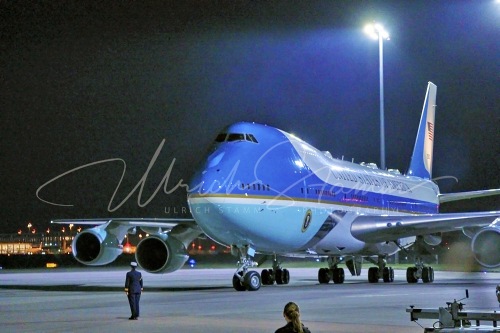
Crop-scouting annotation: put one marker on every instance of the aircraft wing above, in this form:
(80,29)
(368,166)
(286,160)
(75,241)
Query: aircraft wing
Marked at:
(167,223)
(447,197)
(373,229)
(121,226)
(165,249)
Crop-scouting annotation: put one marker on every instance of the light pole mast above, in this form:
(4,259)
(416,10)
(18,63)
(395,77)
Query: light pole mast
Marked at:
(377,31)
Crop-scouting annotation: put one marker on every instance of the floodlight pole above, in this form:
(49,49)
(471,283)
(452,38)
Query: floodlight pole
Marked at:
(381,78)
(377,31)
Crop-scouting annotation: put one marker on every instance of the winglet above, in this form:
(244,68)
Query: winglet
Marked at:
(421,159)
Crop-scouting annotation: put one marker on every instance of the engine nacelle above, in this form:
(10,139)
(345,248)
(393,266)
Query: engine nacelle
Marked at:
(433,239)
(95,247)
(486,248)
(161,253)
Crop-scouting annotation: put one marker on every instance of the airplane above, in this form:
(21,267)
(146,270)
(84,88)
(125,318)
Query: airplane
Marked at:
(261,190)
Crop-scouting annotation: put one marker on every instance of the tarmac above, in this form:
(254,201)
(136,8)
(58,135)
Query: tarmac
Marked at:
(203,300)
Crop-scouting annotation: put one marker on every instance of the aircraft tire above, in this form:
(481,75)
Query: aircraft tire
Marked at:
(285,277)
(252,281)
(427,274)
(373,274)
(279,276)
(338,275)
(271,276)
(323,276)
(266,277)
(411,275)
(388,274)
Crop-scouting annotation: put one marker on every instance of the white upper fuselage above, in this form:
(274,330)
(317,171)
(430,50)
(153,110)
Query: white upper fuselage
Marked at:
(265,188)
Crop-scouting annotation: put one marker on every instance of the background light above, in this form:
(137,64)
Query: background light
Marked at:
(374,29)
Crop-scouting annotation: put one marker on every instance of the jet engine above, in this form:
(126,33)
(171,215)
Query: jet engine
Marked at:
(161,253)
(95,247)
(485,246)
(433,239)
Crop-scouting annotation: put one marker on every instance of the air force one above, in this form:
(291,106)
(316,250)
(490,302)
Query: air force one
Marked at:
(263,191)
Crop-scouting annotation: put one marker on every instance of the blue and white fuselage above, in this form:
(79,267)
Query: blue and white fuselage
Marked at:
(265,188)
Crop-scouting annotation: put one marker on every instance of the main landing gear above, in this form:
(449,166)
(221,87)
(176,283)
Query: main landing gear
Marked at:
(276,274)
(381,271)
(333,272)
(419,271)
(244,279)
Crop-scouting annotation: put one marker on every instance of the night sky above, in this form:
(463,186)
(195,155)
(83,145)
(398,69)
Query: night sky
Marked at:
(83,82)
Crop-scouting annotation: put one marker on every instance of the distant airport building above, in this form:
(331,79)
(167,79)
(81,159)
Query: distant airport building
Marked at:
(51,243)
(60,243)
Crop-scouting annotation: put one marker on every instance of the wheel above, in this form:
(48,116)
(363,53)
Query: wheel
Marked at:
(373,274)
(432,274)
(338,275)
(271,276)
(252,281)
(323,275)
(237,283)
(278,275)
(427,274)
(266,277)
(285,276)
(388,274)
(411,276)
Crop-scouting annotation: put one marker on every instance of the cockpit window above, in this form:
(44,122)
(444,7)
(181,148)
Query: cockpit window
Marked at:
(235,137)
(252,138)
(223,137)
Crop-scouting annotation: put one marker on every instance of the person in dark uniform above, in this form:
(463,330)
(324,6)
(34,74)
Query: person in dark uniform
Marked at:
(133,289)
(293,322)
(498,293)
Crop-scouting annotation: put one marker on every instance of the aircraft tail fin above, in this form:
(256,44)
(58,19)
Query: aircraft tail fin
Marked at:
(421,159)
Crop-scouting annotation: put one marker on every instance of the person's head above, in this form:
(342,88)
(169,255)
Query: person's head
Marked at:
(292,314)
(133,265)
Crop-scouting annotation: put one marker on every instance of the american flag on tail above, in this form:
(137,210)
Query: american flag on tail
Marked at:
(430,130)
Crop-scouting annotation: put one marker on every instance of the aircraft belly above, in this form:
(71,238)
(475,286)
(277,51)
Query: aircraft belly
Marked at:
(268,228)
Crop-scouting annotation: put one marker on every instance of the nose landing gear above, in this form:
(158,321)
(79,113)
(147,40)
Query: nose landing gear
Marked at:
(243,278)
